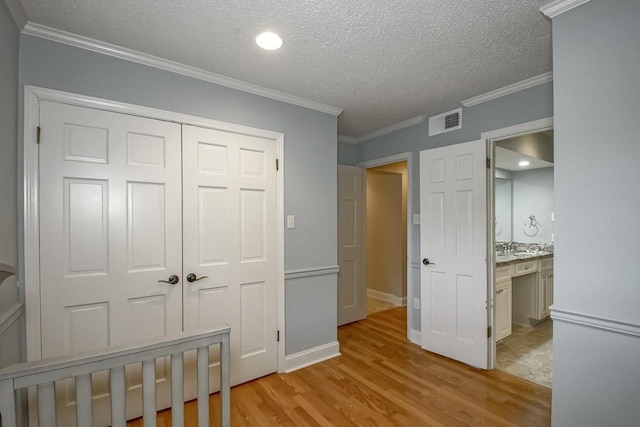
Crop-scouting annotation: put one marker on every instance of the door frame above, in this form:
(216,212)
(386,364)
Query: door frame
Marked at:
(413,335)
(490,138)
(31,232)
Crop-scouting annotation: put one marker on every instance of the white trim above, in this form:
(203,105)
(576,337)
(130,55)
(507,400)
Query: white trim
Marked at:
(347,139)
(104,48)
(508,90)
(595,322)
(383,131)
(33,95)
(280,255)
(519,129)
(559,7)
(415,337)
(17,13)
(10,316)
(31,225)
(310,272)
(385,161)
(312,356)
(408,156)
(387,297)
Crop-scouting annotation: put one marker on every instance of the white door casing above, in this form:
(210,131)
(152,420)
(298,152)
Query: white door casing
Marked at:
(229,197)
(453,238)
(351,287)
(110,231)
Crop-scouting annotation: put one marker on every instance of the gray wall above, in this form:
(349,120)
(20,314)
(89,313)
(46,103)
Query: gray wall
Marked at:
(347,153)
(310,158)
(596,59)
(521,107)
(532,195)
(9,340)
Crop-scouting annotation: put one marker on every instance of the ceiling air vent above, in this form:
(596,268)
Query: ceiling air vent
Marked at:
(445,122)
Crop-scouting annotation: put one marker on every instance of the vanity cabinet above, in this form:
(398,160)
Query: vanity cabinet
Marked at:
(545,288)
(503,305)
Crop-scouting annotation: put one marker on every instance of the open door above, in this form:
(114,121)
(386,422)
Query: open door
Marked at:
(453,245)
(351,288)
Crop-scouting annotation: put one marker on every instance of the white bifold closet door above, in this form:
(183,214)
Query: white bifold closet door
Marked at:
(128,202)
(110,231)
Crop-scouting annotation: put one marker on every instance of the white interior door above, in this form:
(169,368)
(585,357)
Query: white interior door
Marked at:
(110,232)
(229,196)
(351,290)
(453,239)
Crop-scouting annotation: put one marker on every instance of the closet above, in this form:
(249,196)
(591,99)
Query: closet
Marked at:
(148,228)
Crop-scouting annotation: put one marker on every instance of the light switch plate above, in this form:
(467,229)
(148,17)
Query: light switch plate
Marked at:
(416,219)
(416,303)
(291,221)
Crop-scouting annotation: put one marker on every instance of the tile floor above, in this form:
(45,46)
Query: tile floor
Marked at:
(527,353)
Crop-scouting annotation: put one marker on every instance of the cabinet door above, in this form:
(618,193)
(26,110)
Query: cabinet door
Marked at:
(548,293)
(503,309)
(545,294)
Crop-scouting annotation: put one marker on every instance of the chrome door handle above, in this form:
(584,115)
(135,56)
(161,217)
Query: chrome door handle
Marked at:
(173,279)
(193,278)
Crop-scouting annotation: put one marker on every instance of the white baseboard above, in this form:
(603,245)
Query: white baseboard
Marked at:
(415,337)
(390,298)
(305,358)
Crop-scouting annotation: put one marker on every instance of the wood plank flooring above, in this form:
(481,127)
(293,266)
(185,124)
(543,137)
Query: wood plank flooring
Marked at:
(382,379)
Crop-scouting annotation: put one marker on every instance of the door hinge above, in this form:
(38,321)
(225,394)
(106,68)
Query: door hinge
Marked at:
(278,337)
(488,163)
(38,135)
(489,332)
(277,165)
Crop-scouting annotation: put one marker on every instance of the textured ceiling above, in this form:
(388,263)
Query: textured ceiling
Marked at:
(382,61)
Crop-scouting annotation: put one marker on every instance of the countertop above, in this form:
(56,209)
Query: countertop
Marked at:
(507,259)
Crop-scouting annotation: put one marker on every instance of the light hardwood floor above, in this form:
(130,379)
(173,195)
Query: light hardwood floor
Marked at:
(382,380)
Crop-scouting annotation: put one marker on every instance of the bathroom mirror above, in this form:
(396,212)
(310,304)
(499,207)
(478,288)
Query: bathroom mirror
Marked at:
(503,194)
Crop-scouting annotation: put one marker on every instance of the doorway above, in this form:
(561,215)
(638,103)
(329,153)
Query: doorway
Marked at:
(352,243)
(386,236)
(523,197)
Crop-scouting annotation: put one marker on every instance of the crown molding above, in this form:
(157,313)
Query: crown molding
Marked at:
(17,13)
(559,7)
(98,46)
(383,131)
(347,139)
(508,90)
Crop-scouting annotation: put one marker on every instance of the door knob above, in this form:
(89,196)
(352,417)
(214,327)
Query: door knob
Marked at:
(193,278)
(426,261)
(173,279)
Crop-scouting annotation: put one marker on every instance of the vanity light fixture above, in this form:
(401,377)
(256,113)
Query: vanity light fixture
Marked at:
(269,40)
(523,163)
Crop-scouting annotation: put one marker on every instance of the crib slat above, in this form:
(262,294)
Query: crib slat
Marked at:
(7,403)
(177,390)
(225,385)
(118,417)
(203,386)
(84,401)
(149,393)
(47,405)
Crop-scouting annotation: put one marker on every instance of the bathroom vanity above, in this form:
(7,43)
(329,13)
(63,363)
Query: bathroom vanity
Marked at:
(524,290)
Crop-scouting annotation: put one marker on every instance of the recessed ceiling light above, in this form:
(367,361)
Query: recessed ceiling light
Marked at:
(523,163)
(269,40)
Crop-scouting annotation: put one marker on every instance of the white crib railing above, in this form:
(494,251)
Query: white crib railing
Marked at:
(45,373)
